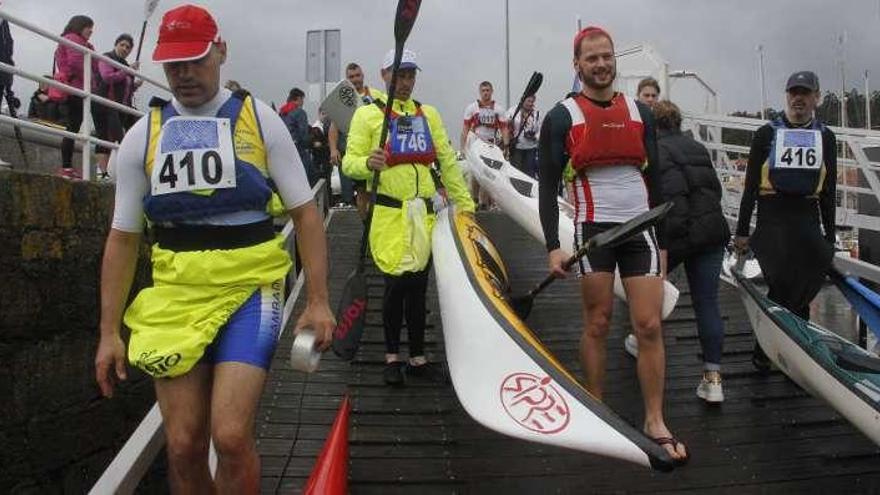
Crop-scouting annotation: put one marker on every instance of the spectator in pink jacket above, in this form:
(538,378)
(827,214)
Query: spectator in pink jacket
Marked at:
(119,86)
(69,70)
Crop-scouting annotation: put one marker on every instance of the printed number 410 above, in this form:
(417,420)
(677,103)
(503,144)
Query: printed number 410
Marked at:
(211,169)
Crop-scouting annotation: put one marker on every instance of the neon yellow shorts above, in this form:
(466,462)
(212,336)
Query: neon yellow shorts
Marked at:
(195,294)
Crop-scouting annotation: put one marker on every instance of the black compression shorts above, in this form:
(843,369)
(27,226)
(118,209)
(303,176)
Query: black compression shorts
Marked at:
(637,257)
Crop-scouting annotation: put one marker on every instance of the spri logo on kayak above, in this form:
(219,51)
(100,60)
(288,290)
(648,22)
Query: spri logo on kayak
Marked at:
(535,403)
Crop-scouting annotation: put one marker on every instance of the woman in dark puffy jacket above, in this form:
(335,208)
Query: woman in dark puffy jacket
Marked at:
(696,233)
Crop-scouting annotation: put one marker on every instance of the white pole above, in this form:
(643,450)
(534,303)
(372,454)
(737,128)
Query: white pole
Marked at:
(86,128)
(842,40)
(323,66)
(664,80)
(761,79)
(507,54)
(867,103)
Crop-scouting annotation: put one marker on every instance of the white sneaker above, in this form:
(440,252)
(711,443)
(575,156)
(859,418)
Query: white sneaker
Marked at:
(710,387)
(631,344)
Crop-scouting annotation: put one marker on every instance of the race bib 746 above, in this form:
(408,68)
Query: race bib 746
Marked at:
(410,135)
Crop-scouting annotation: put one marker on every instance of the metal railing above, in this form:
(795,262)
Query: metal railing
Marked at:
(857,174)
(85,93)
(133,461)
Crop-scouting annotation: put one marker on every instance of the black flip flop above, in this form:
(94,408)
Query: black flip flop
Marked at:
(674,442)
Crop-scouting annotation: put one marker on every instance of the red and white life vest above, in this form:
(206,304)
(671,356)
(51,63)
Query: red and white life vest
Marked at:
(409,138)
(486,120)
(604,136)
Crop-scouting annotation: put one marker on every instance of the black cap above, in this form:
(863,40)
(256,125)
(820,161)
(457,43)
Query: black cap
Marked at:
(803,79)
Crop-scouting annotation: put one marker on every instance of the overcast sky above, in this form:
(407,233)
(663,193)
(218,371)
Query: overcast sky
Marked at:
(461,42)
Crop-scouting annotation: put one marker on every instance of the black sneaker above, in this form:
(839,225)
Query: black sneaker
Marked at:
(432,372)
(393,374)
(760,360)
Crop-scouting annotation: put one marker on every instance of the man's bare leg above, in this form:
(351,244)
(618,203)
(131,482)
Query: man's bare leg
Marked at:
(598,297)
(103,162)
(184,402)
(237,390)
(645,298)
(362,201)
(485,198)
(475,192)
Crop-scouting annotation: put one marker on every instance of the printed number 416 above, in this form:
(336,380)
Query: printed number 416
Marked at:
(804,157)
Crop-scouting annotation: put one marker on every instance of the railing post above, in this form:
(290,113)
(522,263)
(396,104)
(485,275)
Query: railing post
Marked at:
(86,128)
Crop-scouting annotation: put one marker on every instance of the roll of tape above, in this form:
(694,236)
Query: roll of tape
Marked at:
(303,355)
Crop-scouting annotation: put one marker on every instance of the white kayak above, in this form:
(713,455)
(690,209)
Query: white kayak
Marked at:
(517,195)
(827,366)
(503,376)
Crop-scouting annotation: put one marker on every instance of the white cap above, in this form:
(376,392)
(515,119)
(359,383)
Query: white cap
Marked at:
(408,61)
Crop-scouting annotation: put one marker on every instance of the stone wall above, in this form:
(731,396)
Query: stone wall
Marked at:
(57,433)
(43,150)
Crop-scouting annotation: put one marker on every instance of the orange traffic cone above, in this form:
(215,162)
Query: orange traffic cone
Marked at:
(330,475)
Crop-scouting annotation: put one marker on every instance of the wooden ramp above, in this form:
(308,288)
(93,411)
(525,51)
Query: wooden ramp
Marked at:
(767,437)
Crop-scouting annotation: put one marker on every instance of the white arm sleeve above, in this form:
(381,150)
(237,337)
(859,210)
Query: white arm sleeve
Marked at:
(285,167)
(502,115)
(469,111)
(131,180)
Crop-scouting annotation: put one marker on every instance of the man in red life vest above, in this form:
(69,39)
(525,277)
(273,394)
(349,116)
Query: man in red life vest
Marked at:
(487,120)
(610,142)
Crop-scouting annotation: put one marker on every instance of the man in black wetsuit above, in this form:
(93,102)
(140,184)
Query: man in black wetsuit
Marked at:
(614,170)
(792,175)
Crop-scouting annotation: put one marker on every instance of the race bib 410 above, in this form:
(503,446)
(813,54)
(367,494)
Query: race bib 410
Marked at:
(798,149)
(195,154)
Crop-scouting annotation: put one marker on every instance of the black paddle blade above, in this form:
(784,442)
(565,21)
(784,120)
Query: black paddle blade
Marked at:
(407,11)
(533,85)
(404,19)
(521,305)
(351,316)
(531,88)
(625,231)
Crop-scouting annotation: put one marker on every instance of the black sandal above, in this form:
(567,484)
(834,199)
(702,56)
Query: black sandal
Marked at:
(674,442)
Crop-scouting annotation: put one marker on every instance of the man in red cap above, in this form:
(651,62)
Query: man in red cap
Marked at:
(207,169)
(610,142)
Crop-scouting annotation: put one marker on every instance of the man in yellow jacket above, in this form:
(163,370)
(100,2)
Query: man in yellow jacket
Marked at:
(404,213)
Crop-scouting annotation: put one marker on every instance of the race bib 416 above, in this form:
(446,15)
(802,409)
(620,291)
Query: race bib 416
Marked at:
(195,154)
(798,149)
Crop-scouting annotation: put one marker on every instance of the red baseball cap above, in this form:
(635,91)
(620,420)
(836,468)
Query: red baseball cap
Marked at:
(186,33)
